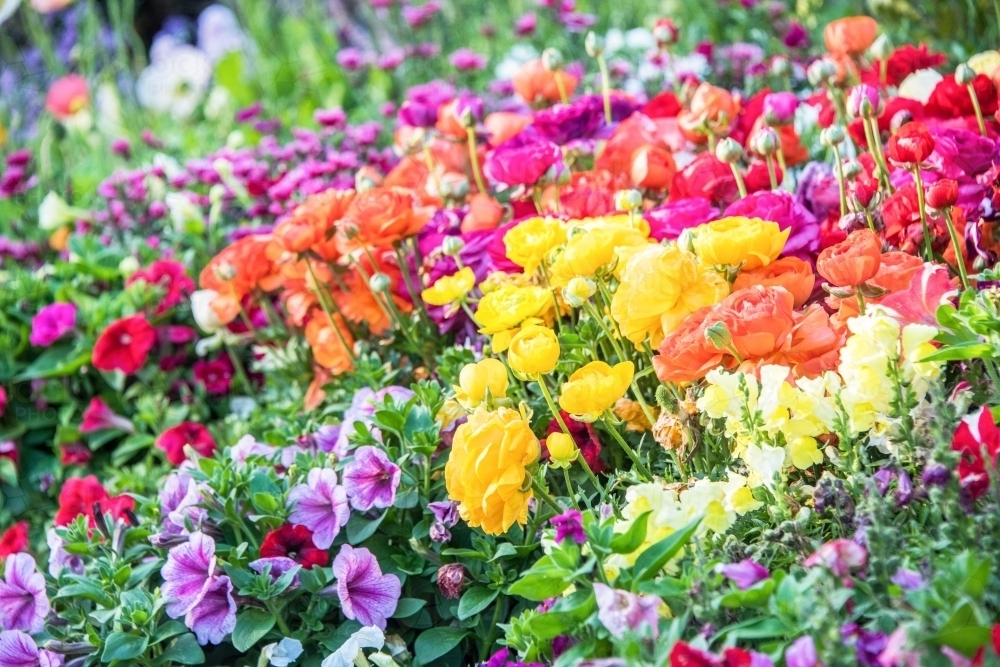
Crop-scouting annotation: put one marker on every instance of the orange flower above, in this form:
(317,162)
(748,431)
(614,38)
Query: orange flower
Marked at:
(358,304)
(237,271)
(300,289)
(315,394)
(633,133)
(485,212)
(653,168)
(896,270)
(411,173)
(815,343)
(448,122)
(850,36)
(759,320)
(685,355)
(327,347)
(712,109)
(852,261)
(502,125)
(792,273)
(311,224)
(533,83)
(380,217)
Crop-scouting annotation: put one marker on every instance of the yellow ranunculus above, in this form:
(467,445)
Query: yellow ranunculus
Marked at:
(487,469)
(595,388)
(588,252)
(475,380)
(530,241)
(508,306)
(449,289)
(534,350)
(735,240)
(562,450)
(660,286)
(986,62)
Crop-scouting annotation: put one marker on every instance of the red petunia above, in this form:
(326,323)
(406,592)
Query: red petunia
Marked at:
(74,454)
(79,495)
(174,439)
(124,345)
(295,542)
(977,433)
(14,540)
(170,276)
(216,375)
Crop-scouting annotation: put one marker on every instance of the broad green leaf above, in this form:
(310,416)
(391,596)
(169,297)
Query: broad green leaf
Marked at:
(651,561)
(360,529)
(123,646)
(632,539)
(434,643)
(475,600)
(407,607)
(251,626)
(185,651)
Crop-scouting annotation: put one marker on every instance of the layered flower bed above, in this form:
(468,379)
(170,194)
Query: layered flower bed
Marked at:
(565,373)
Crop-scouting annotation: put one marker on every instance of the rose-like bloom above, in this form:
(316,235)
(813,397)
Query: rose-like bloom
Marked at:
(780,107)
(942,194)
(533,82)
(80,495)
(792,273)
(486,472)
(977,439)
(595,388)
(712,109)
(380,217)
(594,248)
(174,439)
(669,220)
(520,161)
(744,574)
(910,145)
(477,379)
(735,241)
(620,611)
(534,350)
(449,289)
(312,221)
(320,505)
(99,417)
(563,123)
(850,36)
(852,261)
(857,97)
(327,344)
(706,177)
(685,355)
(366,595)
(508,306)
(67,96)
(530,241)
(950,99)
(562,450)
(505,125)
(484,213)
(23,601)
(124,345)
(759,320)
(170,276)
(660,286)
(14,539)
(371,479)
(51,323)
(781,207)
(216,375)
(295,542)
(653,168)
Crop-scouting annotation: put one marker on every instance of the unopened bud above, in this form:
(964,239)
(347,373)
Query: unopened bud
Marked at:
(781,66)
(964,74)
(881,48)
(128,266)
(832,136)
(452,245)
(765,141)
(380,283)
(852,169)
(551,59)
(665,32)
(450,579)
(728,150)
(628,200)
(719,336)
(594,44)
(578,291)
(820,72)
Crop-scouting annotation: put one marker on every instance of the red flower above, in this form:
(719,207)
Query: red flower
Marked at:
(99,417)
(757,178)
(707,177)
(173,440)
(124,345)
(977,432)
(14,540)
(216,375)
(912,144)
(685,655)
(75,453)
(951,99)
(80,495)
(942,194)
(664,105)
(295,542)
(903,62)
(169,275)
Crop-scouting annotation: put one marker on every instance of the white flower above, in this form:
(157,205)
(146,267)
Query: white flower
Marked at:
(283,653)
(764,462)
(175,81)
(919,85)
(7,9)
(370,637)
(219,32)
(54,213)
(184,213)
(201,309)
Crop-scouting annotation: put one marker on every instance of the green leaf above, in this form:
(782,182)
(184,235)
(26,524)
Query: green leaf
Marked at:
(185,651)
(434,643)
(651,561)
(475,600)
(57,361)
(407,607)
(962,632)
(551,625)
(961,352)
(360,529)
(504,550)
(123,646)
(251,626)
(538,585)
(755,596)
(461,553)
(632,539)
(265,502)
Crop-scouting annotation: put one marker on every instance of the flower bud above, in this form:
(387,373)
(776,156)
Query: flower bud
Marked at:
(552,60)
(380,283)
(942,194)
(594,44)
(562,450)
(820,72)
(578,291)
(964,74)
(781,66)
(899,119)
(451,578)
(765,141)
(452,245)
(832,136)
(128,266)
(864,101)
(439,533)
(665,33)
(719,336)
(881,48)
(728,151)
(628,200)
(852,169)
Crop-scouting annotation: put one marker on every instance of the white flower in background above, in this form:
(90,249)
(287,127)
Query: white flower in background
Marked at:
(171,167)
(219,103)
(108,110)
(370,637)
(219,32)
(636,39)
(919,85)
(176,80)
(201,309)
(764,462)
(692,65)
(184,213)
(283,653)
(54,213)
(986,62)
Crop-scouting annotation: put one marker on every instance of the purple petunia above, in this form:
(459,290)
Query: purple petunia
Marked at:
(744,574)
(620,611)
(802,653)
(23,601)
(371,479)
(214,616)
(51,323)
(569,524)
(366,595)
(192,589)
(320,505)
(18,649)
(276,567)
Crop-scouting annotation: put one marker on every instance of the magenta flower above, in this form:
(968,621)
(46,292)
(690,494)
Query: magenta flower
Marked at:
(214,616)
(779,108)
(802,653)
(187,574)
(839,556)
(569,524)
(99,417)
(51,323)
(18,649)
(23,601)
(670,219)
(467,60)
(351,58)
(276,566)
(744,574)
(366,595)
(781,207)
(520,161)
(371,479)
(525,24)
(320,505)
(620,611)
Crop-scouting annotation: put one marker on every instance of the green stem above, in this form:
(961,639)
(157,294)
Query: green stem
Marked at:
(544,496)
(769,161)
(978,109)
(959,255)
(840,181)
(404,269)
(321,296)
(640,467)
(740,183)
(605,88)
(861,302)
(474,159)
(569,487)
(241,374)
(922,205)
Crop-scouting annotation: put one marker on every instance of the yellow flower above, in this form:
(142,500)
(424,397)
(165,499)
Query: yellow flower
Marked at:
(660,286)
(735,240)
(451,411)
(530,242)
(742,501)
(508,306)
(562,450)
(578,291)
(805,452)
(449,289)
(534,350)
(588,252)
(594,388)
(986,62)
(476,381)
(487,472)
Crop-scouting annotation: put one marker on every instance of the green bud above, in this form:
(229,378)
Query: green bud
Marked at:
(594,44)
(628,200)
(380,283)
(719,336)
(728,151)
(964,74)
(552,60)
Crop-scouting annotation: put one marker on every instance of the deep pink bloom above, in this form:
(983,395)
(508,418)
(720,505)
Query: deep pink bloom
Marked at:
(515,162)
(3,401)
(320,505)
(295,542)
(23,601)
(51,323)
(67,95)
(840,556)
(977,439)
(525,24)
(216,375)
(99,417)
(569,524)
(779,108)
(781,207)
(371,479)
(171,277)
(861,93)
(670,219)
(366,595)
(802,653)
(351,58)
(124,345)
(174,439)
(18,649)
(744,574)
(621,611)
(333,118)
(466,60)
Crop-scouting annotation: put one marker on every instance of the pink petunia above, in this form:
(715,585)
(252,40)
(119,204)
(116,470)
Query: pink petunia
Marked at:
(51,323)
(371,479)
(366,595)
(320,505)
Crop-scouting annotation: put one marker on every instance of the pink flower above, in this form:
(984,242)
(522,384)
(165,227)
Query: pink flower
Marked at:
(192,589)
(99,417)
(51,323)
(779,108)
(569,525)
(320,505)
(744,574)
(173,441)
(839,556)
(23,601)
(171,277)
(977,439)
(620,611)
(516,162)
(18,649)
(780,207)
(525,24)
(216,375)
(466,60)
(897,652)
(670,219)
(371,479)
(69,94)
(802,653)
(366,595)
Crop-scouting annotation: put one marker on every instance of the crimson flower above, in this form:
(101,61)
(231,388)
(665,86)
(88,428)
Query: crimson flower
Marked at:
(14,539)
(216,375)
(976,432)
(75,453)
(124,345)
(173,440)
(169,275)
(912,144)
(79,495)
(586,438)
(942,194)
(295,542)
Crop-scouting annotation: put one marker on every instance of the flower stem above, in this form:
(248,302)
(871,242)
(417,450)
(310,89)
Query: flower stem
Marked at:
(605,88)
(922,205)
(632,454)
(740,184)
(474,160)
(321,295)
(240,372)
(769,161)
(559,84)
(840,181)
(861,302)
(956,241)
(977,108)
(569,488)
(544,496)
(565,429)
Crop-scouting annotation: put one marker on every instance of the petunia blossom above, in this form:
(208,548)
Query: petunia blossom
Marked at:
(366,595)
(620,611)
(371,479)
(214,616)
(18,649)
(320,505)
(188,573)
(100,417)
(345,656)
(51,323)
(124,345)
(24,603)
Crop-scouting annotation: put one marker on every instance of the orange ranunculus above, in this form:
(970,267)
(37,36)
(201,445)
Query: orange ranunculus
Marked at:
(852,261)
(896,270)
(792,273)
(411,173)
(533,83)
(380,217)
(448,122)
(327,345)
(311,224)
(685,355)
(315,394)
(358,304)
(238,270)
(759,320)
(712,109)
(653,168)
(300,288)
(502,125)
(631,134)
(850,36)
(815,343)
(485,212)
